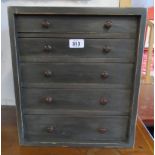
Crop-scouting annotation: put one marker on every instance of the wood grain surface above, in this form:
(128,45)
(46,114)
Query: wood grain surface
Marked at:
(77,73)
(93,48)
(10,146)
(111,101)
(65,130)
(80,24)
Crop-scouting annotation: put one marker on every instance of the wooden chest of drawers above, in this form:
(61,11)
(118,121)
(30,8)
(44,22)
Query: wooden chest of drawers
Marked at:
(76,74)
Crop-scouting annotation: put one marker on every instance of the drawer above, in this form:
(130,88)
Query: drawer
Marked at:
(103,73)
(93,48)
(55,128)
(76,24)
(109,101)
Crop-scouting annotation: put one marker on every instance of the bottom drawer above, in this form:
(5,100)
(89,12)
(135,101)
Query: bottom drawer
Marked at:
(65,128)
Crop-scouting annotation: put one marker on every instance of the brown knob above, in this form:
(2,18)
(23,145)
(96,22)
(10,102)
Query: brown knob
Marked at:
(48,73)
(50,129)
(45,24)
(47,48)
(108,24)
(102,130)
(48,99)
(103,101)
(106,50)
(104,75)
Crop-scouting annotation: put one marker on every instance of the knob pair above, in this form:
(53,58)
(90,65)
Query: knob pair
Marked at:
(46,24)
(51,129)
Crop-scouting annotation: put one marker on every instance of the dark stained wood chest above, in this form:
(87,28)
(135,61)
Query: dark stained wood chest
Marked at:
(76,74)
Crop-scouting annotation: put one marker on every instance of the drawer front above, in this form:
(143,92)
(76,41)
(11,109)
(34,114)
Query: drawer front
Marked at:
(105,73)
(72,24)
(70,128)
(94,48)
(110,101)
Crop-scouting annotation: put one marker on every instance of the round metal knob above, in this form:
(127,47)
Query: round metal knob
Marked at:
(103,101)
(104,75)
(48,99)
(48,73)
(108,24)
(106,50)
(50,129)
(45,24)
(47,48)
(102,130)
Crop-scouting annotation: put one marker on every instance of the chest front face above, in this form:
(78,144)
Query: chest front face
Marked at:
(76,74)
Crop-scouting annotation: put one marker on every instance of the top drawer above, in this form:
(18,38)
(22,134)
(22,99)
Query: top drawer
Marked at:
(76,24)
